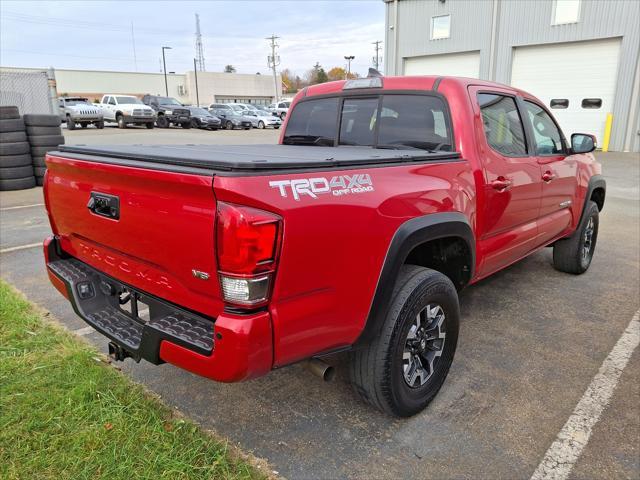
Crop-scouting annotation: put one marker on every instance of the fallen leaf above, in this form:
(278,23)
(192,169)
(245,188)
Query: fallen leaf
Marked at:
(108,426)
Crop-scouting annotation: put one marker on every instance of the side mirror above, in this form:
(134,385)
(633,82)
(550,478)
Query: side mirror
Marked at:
(583,143)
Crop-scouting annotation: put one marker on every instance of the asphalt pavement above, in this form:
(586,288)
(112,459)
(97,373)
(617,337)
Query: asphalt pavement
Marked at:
(532,340)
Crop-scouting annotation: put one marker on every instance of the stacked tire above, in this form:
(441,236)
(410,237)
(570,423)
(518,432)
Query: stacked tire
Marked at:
(16,170)
(45,134)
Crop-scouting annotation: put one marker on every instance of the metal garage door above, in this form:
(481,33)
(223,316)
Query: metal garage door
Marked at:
(466,64)
(575,72)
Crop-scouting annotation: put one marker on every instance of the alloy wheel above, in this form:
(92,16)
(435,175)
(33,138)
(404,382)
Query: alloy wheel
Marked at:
(423,345)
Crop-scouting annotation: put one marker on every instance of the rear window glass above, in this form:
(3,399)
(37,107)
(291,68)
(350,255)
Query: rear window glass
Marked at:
(315,120)
(404,121)
(502,124)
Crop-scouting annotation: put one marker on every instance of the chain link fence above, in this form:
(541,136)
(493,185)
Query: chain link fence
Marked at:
(28,90)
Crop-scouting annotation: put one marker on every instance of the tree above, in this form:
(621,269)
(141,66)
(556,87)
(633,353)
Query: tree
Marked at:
(229,69)
(337,73)
(288,81)
(316,75)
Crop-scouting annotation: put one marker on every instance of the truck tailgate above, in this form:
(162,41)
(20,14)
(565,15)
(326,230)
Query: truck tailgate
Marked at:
(162,230)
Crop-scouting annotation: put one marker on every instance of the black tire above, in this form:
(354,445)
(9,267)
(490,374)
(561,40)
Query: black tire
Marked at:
(9,173)
(15,160)
(228,125)
(162,122)
(42,151)
(71,125)
(11,125)
(377,370)
(120,121)
(574,254)
(39,171)
(36,120)
(39,181)
(149,125)
(46,140)
(37,131)
(194,123)
(276,127)
(38,162)
(18,183)
(16,148)
(84,124)
(261,125)
(9,112)
(282,116)
(186,125)
(13,137)
(100,125)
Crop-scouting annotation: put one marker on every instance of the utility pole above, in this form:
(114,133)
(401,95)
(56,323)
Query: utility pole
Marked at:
(199,47)
(273,61)
(133,41)
(348,58)
(164,67)
(376,59)
(195,73)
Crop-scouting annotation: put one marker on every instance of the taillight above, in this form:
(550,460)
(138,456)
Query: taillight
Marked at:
(247,243)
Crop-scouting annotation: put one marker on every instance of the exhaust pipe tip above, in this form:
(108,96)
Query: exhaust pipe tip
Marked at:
(320,369)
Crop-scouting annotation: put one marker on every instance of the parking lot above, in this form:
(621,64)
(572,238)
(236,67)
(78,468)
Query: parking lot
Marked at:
(532,339)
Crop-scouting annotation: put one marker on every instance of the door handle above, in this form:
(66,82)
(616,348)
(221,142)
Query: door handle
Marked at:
(548,176)
(501,183)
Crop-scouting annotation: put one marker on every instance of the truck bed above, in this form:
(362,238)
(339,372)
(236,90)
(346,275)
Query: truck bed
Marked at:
(246,158)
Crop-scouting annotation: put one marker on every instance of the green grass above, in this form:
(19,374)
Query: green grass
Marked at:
(65,413)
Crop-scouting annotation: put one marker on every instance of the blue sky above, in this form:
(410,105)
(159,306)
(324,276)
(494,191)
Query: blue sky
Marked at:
(97,35)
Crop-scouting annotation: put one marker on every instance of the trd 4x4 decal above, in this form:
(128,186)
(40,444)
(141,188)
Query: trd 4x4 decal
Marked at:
(340,185)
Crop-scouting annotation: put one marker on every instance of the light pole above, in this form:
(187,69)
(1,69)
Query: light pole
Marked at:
(164,65)
(348,59)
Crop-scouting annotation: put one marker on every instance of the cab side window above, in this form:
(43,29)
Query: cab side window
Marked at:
(546,135)
(112,101)
(502,124)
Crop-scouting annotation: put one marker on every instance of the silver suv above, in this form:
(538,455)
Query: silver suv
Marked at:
(74,110)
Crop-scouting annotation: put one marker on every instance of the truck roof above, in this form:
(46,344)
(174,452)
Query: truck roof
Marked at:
(247,158)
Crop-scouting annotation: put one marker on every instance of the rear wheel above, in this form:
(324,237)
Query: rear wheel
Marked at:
(574,254)
(162,122)
(100,124)
(71,125)
(260,124)
(282,115)
(401,370)
(194,123)
(121,122)
(228,125)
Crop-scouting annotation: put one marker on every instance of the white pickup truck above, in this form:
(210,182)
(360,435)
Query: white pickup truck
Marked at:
(127,109)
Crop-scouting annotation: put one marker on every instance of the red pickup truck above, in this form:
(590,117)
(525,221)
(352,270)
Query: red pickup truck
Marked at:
(384,198)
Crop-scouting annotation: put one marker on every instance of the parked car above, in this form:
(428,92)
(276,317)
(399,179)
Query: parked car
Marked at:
(354,236)
(230,117)
(202,118)
(281,108)
(126,110)
(75,110)
(169,111)
(260,119)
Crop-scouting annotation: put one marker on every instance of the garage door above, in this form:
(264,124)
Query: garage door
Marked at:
(466,64)
(579,77)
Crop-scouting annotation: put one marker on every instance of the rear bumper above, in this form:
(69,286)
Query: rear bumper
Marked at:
(227,349)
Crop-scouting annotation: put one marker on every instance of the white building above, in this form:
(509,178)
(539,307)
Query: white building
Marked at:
(212,86)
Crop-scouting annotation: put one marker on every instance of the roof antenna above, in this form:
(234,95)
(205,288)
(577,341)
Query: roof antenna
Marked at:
(373,73)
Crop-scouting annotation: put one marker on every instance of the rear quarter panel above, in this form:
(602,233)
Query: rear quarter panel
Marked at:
(334,246)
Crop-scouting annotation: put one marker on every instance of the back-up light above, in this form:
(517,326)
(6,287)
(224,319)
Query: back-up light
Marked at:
(247,243)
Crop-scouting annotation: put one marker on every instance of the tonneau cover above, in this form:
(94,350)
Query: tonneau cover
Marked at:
(252,157)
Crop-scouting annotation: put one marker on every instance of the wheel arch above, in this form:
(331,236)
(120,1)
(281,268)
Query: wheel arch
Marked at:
(596,191)
(413,237)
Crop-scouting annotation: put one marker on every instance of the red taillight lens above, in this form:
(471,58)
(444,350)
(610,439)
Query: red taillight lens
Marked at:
(247,239)
(247,242)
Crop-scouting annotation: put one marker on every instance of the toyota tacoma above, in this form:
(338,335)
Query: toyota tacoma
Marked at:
(385,197)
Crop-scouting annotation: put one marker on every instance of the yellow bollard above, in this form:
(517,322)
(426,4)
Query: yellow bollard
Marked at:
(607,132)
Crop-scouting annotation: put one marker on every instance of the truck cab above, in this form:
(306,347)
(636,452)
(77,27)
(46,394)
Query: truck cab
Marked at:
(169,111)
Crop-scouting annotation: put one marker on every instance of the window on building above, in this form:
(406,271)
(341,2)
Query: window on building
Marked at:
(502,124)
(440,27)
(566,11)
(591,103)
(546,134)
(559,103)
